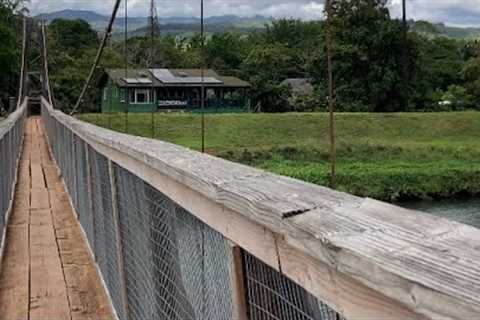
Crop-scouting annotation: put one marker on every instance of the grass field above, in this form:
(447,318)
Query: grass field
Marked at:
(384,156)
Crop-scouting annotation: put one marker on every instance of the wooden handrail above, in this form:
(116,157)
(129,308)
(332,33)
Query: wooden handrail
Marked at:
(366,259)
(7,124)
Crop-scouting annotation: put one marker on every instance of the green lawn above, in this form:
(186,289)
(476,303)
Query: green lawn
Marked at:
(384,156)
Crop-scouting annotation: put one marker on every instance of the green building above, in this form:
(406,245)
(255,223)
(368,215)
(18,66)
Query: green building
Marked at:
(150,90)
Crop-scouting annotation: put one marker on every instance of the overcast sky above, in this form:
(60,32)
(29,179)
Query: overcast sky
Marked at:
(453,12)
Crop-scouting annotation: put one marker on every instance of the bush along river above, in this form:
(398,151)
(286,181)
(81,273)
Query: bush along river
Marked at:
(465,211)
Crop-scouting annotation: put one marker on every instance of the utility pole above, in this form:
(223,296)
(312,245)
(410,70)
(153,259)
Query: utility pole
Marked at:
(331,93)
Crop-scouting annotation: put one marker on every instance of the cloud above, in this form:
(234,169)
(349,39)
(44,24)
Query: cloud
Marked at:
(454,12)
(304,9)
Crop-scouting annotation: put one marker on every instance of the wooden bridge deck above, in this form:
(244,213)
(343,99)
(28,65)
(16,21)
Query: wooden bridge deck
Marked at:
(46,272)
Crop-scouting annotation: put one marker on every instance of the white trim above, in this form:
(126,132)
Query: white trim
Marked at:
(136,92)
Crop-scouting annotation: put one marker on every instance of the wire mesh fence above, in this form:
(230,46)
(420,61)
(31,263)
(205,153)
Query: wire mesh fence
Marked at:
(158,260)
(272,296)
(11,137)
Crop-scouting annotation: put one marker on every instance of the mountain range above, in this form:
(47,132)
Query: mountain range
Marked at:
(215,23)
(434,30)
(186,25)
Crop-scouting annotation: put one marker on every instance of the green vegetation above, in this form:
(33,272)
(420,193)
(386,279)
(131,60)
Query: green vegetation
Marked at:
(378,67)
(10,29)
(384,156)
(433,30)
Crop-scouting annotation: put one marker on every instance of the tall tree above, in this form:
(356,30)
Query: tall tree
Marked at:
(9,53)
(369,58)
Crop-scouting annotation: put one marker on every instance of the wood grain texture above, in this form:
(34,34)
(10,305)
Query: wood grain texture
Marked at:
(237,284)
(48,296)
(14,278)
(47,272)
(423,264)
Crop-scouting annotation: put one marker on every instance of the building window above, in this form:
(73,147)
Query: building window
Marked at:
(140,96)
(105,94)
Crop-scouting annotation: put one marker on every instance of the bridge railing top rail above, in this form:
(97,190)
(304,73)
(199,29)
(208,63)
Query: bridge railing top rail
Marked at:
(365,258)
(7,124)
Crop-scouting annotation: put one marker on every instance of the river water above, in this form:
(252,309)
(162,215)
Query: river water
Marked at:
(465,211)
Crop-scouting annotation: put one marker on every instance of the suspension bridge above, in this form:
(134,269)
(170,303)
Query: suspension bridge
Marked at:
(102,225)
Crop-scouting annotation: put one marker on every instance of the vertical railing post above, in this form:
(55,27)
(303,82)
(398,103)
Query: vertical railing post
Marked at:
(90,198)
(237,281)
(73,176)
(118,242)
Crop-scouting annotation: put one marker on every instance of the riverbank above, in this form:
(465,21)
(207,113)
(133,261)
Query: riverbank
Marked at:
(383,156)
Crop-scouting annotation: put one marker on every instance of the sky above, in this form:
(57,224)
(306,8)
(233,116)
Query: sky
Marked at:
(451,12)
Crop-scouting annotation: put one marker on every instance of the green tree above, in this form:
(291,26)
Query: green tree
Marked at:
(266,67)
(9,53)
(226,51)
(72,36)
(368,61)
(72,49)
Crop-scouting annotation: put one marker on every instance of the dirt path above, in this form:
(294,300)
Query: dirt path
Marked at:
(47,272)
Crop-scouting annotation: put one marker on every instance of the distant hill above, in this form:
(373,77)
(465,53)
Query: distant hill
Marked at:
(187,25)
(432,30)
(169,24)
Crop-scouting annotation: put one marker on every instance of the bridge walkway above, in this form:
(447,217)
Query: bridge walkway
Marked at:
(47,271)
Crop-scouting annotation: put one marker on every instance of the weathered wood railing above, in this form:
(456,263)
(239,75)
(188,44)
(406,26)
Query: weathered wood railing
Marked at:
(365,259)
(11,138)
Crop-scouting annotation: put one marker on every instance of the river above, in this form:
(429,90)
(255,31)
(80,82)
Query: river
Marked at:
(465,211)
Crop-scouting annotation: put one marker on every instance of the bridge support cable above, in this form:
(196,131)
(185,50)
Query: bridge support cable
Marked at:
(108,32)
(23,71)
(46,73)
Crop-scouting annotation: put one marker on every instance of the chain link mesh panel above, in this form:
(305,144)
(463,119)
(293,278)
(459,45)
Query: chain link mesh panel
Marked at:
(11,137)
(272,296)
(105,235)
(175,266)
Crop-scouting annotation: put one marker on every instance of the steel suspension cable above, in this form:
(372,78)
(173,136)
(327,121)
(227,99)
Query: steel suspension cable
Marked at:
(23,72)
(108,32)
(45,65)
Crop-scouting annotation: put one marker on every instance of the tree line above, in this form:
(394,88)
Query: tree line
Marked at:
(376,67)
(11,12)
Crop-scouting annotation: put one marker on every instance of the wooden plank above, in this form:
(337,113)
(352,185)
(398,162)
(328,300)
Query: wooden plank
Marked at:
(238,284)
(118,242)
(14,278)
(40,199)
(38,179)
(48,297)
(87,298)
(344,294)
